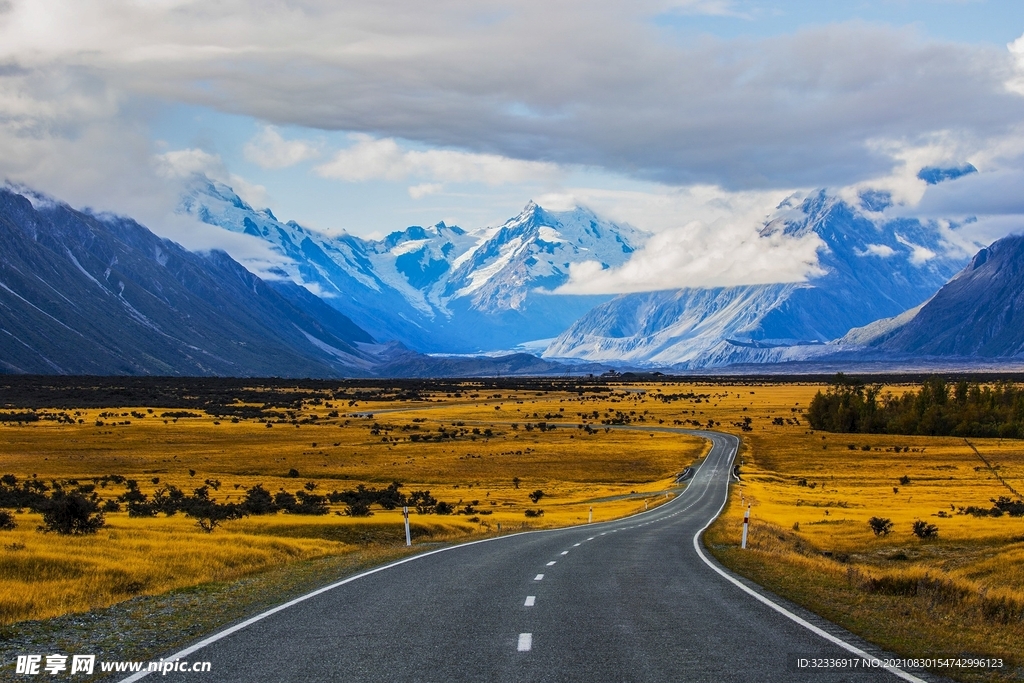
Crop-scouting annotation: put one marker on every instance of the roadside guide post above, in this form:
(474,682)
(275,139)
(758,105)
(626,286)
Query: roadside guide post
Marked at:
(590,519)
(746,523)
(408,537)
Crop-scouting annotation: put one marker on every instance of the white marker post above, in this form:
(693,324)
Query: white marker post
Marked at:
(746,523)
(645,504)
(590,519)
(408,537)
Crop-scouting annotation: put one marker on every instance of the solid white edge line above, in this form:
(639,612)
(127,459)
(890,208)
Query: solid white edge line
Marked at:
(785,612)
(302,598)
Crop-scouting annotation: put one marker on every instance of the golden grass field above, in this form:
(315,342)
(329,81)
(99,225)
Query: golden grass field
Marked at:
(44,575)
(961,593)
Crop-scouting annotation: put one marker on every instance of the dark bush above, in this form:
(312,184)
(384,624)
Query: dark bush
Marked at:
(71,514)
(258,501)
(1014,508)
(209,515)
(284,500)
(309,504)
(880,525)
(536,496)
(358,509)
(923,529)
(422,501)
(7,522)
(534,513)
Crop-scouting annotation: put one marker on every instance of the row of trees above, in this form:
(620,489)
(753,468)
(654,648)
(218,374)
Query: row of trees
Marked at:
(938,409)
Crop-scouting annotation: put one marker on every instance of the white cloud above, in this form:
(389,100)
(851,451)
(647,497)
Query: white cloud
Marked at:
(879,250)
(513,93)
(919,255)
(182,163)
(1015,81)
(423,189)
(267,149)
(594,83)
(372,159)
(701,255)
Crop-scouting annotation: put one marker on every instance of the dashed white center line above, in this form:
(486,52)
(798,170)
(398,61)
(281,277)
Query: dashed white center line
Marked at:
(525,642)
(539,577)
(551,563)
(531,600)
(591,538)
(575,545)
(565,552)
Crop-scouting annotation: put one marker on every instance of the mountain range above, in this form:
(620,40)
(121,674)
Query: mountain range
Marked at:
(437,288)
(98,294)
(871,269)
(92,293)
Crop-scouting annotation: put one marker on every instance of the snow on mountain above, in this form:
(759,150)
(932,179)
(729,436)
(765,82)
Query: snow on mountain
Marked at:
(437,288)
(872,270)
(533,251)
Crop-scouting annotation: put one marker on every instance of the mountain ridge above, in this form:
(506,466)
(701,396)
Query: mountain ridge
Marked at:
(871,270)
(100,294)
(437,288)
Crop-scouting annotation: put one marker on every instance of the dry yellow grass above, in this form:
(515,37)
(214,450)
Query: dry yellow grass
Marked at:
(613,471)
(812,494)
(968,581)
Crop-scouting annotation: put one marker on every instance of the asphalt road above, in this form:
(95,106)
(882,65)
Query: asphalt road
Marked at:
(630,600)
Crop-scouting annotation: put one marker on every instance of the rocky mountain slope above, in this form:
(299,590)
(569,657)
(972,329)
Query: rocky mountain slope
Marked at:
(980,312)
(100,294)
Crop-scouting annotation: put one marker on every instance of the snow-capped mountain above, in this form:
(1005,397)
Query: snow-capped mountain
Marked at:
(439,288)
(533,251)
(872,269)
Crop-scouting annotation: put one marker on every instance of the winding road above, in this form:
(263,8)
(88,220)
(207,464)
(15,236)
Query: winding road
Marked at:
(637,599)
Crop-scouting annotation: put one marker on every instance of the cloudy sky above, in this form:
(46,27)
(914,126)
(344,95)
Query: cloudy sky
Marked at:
(691,119)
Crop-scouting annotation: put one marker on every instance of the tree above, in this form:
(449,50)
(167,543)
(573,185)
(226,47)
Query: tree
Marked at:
(536,496)
(516,481)
(70,514)
(880,525)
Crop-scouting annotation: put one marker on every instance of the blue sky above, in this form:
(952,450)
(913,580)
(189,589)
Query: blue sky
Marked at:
(970,21)
(696,116)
